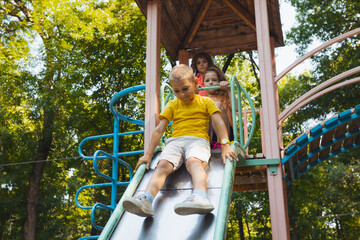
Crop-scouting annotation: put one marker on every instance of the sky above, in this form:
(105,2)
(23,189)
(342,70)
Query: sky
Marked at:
(286,55)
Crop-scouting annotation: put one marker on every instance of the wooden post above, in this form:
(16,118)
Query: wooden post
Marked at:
(184,57)
(272,131)
(152,90)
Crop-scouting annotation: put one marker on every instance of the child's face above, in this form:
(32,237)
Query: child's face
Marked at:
(184,89)
(201,65)
(211,79)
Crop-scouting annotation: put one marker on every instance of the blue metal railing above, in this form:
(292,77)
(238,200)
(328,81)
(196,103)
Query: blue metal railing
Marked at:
(114,157)
(314,134)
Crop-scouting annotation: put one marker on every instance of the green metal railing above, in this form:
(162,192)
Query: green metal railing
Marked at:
(238,147)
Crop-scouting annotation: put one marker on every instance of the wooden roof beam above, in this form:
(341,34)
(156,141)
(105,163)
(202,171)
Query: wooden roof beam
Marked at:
(241,12)
(195,26)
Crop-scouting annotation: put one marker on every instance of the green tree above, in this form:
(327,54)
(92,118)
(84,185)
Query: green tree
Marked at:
(325,20)
(55,97)
(326,199)
(315,195)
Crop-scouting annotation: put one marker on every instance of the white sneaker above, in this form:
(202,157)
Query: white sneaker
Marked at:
(194,204)
(139,205)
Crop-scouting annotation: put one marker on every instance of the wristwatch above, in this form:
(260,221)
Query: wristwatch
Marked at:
(224,141)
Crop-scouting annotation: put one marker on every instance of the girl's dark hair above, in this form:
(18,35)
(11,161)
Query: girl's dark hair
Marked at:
(201,55)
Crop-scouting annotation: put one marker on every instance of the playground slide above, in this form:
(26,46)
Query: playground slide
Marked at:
(166,224)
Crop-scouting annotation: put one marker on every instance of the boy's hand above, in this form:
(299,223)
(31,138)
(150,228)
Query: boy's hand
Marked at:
(227,152)
(144,159)
(154,141)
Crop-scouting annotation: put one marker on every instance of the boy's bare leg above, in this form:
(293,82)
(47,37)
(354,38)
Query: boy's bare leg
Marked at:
(157,180)
(197,202)
(141,205)
(196,168)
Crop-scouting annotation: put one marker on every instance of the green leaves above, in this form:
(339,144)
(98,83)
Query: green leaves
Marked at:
(85,52)
(326,195)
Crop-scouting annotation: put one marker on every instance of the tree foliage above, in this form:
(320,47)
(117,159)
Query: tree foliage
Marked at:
(323,203)
(323,21)
(61,62)
(50,99)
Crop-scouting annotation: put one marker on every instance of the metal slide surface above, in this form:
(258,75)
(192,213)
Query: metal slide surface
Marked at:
(166,224)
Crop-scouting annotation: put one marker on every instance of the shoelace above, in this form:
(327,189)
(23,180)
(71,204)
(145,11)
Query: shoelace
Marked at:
(190,198)
(141,197)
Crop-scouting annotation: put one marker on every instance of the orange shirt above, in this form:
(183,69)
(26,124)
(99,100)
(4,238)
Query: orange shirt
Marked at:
(201,84)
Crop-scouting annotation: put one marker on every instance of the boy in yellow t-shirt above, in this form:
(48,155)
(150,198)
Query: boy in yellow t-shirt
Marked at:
(189,144)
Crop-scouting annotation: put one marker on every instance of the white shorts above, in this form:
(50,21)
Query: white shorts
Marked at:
(178,149)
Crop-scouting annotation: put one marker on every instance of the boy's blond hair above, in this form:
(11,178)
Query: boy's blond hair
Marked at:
(181,72)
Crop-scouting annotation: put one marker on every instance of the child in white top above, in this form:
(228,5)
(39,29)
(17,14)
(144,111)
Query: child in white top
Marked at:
(214,76)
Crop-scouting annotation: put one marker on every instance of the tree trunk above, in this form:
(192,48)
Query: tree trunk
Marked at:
(228,61)
(293,215)
(36,174)
(339,229)
(241,229)
(247,225)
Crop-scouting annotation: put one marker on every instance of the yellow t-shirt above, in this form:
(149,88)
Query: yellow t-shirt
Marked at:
(190,119)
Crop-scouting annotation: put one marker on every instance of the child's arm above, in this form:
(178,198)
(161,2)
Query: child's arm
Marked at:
(154,141)
(227,152)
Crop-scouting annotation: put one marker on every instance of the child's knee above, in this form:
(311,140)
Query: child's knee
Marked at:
(165,166)
(192,162)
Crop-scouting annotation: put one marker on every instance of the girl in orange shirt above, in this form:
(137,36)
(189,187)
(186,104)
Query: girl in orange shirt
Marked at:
(200,63)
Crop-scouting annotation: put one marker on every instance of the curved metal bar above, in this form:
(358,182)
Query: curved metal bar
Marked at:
(293,149)
(162,92)
(89,237)
(91,138)
(126,165)
(136,152)
(108,156)
(103,136)
(88,186)
(252,113)
(316,50)
(233,110)
(303,100)
(120,95)
(320,160)
(114,183)
(92,215)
